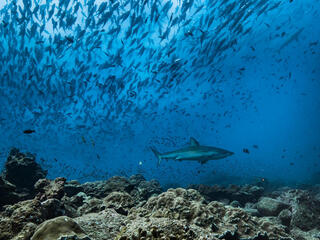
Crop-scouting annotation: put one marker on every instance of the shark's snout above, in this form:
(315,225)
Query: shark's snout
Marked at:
(228,153)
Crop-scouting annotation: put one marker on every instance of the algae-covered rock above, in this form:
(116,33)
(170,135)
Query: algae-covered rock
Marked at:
(102,225)
(305,209)
(101,189)
(72,188)
(189,208)
(175,204)
(285,217)
(242,194)
(119,201)
(8,193)
(136,186)
(56,228)
(26,232)
(143,189)
(90,205)
(50,189)
(21,218)
(18,177)
(22,170)
(270,207)
(162,228)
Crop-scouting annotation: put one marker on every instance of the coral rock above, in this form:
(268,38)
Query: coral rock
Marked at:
(90,205)
(72,188)
(102,225)
(101,189)
(18,178)
(22,170)
(50,189)
(305,209)
(9,194)
(56,228)
(17,218)
(188,207)
(285,217)
(270,207)
(241,194)
(143,189)
(119,201)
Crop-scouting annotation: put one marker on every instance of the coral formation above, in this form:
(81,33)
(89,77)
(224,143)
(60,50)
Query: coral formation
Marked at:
(270,207)
(133,208)
(242,194)
(22,170)
(305,208)
(20,174)
(56,228)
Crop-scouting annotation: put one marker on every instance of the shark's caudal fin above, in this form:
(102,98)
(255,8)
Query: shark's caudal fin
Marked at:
(157,154)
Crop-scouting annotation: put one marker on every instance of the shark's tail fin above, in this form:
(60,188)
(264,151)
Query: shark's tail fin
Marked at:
(157,154)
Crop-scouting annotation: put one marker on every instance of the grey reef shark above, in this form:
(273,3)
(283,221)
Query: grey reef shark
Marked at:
(194,152)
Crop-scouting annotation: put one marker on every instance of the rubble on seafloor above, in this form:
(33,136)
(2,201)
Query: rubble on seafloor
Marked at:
(36,208)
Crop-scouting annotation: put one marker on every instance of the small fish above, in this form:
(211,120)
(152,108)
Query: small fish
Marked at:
(188,33)
(69,39)
(262,179)
(83,139)
(245,150)
(29,131)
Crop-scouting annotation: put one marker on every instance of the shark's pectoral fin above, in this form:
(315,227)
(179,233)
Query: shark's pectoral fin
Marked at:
(194,142)
(203,161)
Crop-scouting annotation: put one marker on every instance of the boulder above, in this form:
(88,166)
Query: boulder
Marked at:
(59,228)
(22,170)
(285,217)
(270,207)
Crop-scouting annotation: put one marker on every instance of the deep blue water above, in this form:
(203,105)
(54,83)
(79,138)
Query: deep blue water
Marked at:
(102,83)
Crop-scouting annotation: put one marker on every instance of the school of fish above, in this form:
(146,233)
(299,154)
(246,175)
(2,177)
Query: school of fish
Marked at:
(82,63)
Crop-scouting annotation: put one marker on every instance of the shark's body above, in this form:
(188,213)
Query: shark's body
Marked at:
(195,152)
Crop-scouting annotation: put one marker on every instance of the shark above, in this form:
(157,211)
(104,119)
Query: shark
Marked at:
(194,152)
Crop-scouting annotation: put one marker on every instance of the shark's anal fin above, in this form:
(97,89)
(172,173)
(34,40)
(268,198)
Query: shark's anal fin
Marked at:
(194,142)
(203,161)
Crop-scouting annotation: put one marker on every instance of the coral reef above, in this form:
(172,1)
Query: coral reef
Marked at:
(214,219)
(134,208)
(242,194)
(57,228)
(20,174)
(136,186)
(270,207)
(105,224)
(22,170)
(305,207)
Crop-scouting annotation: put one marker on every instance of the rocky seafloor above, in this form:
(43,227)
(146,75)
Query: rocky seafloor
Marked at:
(33,207)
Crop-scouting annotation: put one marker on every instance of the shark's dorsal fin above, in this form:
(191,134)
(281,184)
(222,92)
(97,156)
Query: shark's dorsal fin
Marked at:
(194,142)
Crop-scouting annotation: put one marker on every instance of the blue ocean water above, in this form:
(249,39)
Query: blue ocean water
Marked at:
(100,82)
